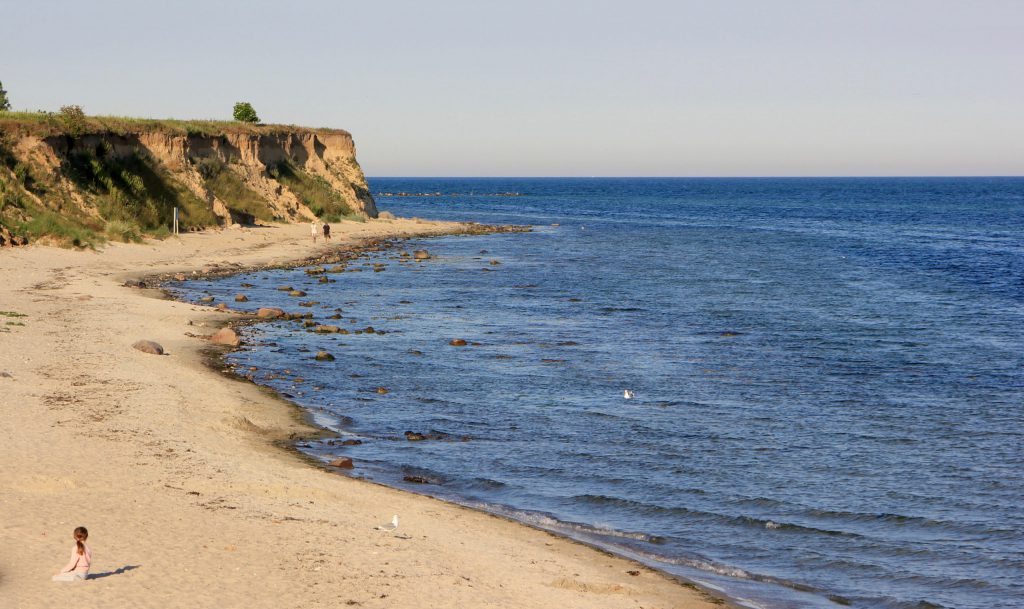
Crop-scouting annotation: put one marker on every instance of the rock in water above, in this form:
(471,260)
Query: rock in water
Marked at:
(241,298)
(271,312)
(225,336)
(342,462)
(323,356)
(421,255)
(296,293)
(148,346)
(457,342)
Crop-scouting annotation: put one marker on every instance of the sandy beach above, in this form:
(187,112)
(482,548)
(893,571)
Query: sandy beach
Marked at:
(179,473)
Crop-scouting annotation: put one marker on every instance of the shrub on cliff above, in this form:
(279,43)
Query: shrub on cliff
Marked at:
(245,113)
(74,120)
(5,104)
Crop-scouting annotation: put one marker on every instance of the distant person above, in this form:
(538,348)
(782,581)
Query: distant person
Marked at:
(327,232)
(314,229)
(77,568)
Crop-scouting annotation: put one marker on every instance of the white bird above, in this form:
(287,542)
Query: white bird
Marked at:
(627,394)
(389,527)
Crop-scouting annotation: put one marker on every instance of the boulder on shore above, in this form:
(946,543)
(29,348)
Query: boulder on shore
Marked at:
(271,312)
(225,336)
(148,346)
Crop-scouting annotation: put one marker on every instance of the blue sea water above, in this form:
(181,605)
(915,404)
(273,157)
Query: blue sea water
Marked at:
(828,375)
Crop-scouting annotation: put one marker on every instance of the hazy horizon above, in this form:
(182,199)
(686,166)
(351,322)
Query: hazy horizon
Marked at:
(578,89)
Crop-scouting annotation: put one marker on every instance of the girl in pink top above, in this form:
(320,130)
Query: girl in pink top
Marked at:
(81,557)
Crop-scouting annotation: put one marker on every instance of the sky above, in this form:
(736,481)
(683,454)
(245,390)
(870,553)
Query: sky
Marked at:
(573,88)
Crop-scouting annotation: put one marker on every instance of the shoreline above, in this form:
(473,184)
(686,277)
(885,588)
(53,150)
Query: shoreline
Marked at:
(185,490)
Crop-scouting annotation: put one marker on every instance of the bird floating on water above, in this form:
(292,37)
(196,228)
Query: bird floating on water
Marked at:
(627,395)
(391,526)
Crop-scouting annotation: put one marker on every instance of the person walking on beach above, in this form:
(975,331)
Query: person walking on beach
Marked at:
(77,568)
(327,232)
(314,229)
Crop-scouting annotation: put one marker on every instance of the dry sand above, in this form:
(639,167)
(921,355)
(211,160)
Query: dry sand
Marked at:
(175,469)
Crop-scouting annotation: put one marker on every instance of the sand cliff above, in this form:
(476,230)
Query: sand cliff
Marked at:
(70,183)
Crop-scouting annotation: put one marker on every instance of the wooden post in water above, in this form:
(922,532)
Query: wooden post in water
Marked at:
(175,220)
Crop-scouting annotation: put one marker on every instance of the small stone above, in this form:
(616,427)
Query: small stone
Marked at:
(342,462)
(271,312)
(206,299)
(351,442)
(327,329)
(241,298)
(457,342)
(412,436)
(148,346)
(323,356)
(285,288)
(421,255)
(417,479)
(225,336)
(323,279)
(296,293)
(383,390)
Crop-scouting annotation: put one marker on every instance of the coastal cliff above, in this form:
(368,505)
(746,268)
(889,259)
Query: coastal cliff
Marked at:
(108,178)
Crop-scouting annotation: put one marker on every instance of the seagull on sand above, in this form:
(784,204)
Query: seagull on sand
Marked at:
(391,526)
(627,395)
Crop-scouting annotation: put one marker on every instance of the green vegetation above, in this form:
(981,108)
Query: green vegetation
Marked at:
(244,112)
(134,195)
(314,191)
(5,104)
(46,223)
(45,124)
(230,188)
(74,120)
(12,314)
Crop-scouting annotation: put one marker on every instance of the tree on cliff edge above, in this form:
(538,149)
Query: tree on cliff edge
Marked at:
(5,104)
(245,113)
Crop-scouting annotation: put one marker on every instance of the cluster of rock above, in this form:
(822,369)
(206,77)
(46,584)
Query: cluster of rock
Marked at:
(8,239)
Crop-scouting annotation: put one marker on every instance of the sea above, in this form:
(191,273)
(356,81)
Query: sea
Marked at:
(826,376)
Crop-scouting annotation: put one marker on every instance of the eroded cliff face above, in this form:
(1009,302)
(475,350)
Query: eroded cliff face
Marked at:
(277,174)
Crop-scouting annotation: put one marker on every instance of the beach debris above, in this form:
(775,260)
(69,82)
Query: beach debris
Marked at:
(241,298)
(225,336)
(148,346)
(322,356)
(421,255)
(457,342)
(271,312)
(6,375)
(342,462)
(633,573)
(296,293)
(627,395)
(391,526)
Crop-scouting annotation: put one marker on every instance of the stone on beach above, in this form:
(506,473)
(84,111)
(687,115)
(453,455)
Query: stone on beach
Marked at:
(148,346)
(342,462)
(225,336)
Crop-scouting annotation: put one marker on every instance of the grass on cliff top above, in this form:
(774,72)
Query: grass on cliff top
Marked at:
(47,124)
(314,192)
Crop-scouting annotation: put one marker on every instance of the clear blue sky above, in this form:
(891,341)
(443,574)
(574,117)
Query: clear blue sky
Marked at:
(637,88)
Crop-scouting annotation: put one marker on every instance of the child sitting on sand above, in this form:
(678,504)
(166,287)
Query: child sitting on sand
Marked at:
(77,568)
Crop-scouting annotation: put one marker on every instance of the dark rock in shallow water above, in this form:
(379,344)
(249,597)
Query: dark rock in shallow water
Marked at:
(351,442)
(148,346)
(342,462)
(285,288)
(457,342)
(296,293)
(421,255)
(412,436)
(418,480)
(383,390)
(241,298)
(323,356)
(206,299)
